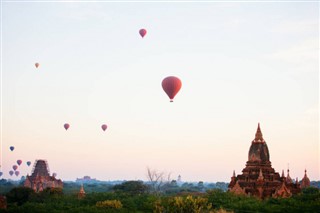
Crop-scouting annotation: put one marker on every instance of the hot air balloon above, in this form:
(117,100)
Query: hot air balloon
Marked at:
(15,167)
(54,174)
(11,148)
(171,85)
(11,173)
(16,173)
(142,32)
(66,126)
(1,173)
(104,127)
(37,65)
(19,162)
(29,163)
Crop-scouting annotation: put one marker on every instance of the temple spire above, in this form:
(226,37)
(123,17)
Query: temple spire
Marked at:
(234,174)
(258,137)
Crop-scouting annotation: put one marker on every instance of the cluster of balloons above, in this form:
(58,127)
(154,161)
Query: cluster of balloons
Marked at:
(15,167)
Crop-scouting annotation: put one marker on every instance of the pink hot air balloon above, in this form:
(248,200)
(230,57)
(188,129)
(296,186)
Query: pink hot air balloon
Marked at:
(37,65)
(11,173)
(19,162)
(104,127)
(171,85)
(15,167)
(142,32)
(66,126)
(16,173)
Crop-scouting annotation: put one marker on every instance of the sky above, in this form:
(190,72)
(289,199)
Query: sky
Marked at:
(240,63)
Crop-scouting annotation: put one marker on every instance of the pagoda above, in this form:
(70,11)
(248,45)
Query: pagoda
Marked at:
(305,182)
(81,193)
(258,178)
(40,178)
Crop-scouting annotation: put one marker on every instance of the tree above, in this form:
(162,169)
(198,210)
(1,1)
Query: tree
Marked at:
(131,187)
(157,180)
(19,195)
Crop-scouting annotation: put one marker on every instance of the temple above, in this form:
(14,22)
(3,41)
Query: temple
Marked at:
(305,182)
(40,178)
(258,178)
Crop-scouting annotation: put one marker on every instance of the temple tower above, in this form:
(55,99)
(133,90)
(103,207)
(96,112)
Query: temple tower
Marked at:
(41,179)
(258,178)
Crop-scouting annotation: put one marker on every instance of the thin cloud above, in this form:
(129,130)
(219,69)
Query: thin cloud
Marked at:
(304,52)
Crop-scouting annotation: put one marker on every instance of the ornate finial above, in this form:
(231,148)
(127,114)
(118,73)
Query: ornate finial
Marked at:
(234,173)
(282,173)
(258,137)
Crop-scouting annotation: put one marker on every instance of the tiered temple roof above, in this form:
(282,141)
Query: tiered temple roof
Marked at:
(258,178)
(41,179)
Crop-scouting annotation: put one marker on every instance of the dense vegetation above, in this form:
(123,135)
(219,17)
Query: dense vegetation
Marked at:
(135,196)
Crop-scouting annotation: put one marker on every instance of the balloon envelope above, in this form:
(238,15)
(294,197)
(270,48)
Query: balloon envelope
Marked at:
(15,167)
(142,32)
(16,173)
(19,162)
(11,172)
(29,163)
(66,126)
(37,65)
(104,127)
(171,85)
(11,148)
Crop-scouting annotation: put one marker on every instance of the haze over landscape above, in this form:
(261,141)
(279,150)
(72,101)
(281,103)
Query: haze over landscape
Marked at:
(240,63)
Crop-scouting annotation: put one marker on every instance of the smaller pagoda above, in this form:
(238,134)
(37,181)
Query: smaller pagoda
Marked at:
(40,178)
(81,193)
(305,182)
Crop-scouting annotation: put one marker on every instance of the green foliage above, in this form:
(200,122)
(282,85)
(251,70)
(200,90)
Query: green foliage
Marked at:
(24,200)
(187,204)
(109,204)
(131,187)
(19,195)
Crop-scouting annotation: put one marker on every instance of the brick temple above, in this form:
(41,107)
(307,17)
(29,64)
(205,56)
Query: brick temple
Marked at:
(41,179)
(259,179)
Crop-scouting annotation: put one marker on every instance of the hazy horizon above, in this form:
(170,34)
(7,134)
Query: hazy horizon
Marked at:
(240,63)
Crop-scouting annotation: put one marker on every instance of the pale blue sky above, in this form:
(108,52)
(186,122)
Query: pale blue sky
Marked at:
(240,64)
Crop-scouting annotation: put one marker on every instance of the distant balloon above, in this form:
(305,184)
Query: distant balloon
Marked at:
(29,163)
(37,65)
(1,173)
(11,148)
(54,174)
(171,85)
(143,32)
(16,173)
(15,167)
(11,172)
(19,162)
(104,127)
(66,126)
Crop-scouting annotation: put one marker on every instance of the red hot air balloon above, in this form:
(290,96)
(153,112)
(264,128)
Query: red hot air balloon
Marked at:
(19,162)
(29,163)
(66,126)
(37,65)
(11,173)
(15,167)
(104,127)
(143,32)
(16,173)
(171,85)
(11,148)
